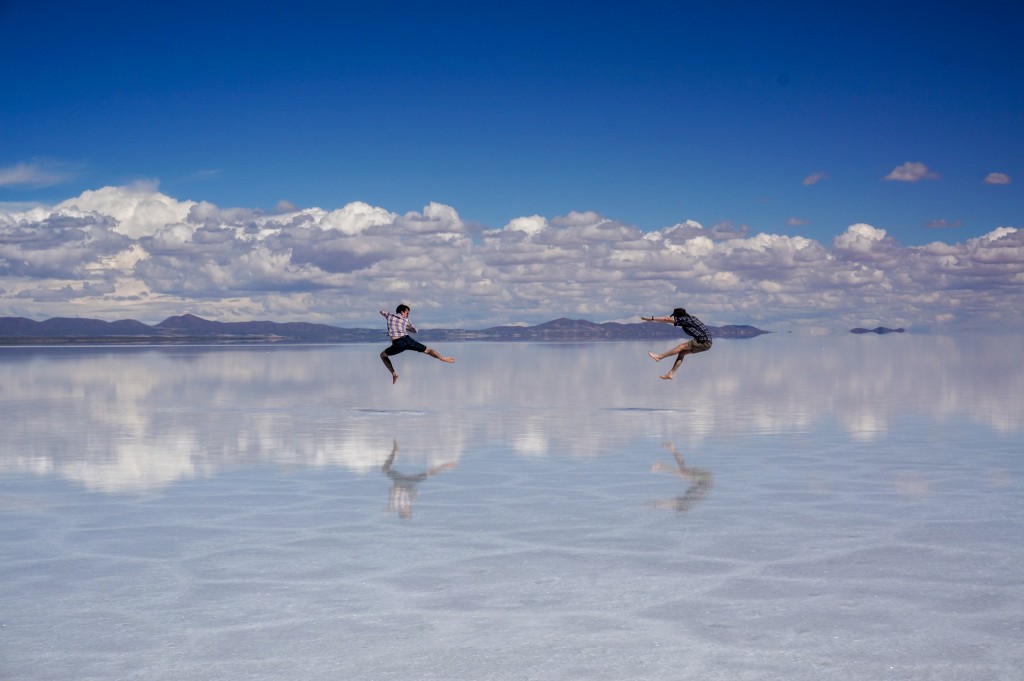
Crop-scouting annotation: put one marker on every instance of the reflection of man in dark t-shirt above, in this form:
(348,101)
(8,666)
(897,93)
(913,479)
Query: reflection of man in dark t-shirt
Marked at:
(403,487)
(700,483)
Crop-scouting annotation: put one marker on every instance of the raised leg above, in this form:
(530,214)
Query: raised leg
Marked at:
(675,365)
(434,353)
(387,362)
(685,345)
(679,351)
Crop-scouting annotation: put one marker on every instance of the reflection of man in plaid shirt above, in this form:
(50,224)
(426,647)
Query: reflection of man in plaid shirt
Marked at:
(399,328)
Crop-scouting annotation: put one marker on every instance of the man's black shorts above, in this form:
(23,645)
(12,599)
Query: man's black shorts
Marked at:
(404,343)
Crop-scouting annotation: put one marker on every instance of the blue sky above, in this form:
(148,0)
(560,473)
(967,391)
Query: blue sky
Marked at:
(743,118)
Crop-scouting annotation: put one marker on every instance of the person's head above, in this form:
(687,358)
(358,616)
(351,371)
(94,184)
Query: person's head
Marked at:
(402,308)
(679,312)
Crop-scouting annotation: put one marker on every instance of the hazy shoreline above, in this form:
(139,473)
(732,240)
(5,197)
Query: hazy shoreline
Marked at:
(191,329)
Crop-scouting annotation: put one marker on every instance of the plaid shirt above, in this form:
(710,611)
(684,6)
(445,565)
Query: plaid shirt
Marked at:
(694,328)
(398,325)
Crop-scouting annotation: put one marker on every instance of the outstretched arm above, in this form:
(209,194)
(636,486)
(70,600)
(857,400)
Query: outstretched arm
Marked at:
(664,320)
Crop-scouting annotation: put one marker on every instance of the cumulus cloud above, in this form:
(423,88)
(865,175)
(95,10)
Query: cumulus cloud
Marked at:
(722,231)
(121,252)
(60,245)
(356,218)
(997,178)
(532,225)
(138,210)
(859,237)
(911,172)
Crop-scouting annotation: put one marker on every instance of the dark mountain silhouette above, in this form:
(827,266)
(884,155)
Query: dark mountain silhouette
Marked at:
(69,327)
(197,327)
(190,328)
(580,329)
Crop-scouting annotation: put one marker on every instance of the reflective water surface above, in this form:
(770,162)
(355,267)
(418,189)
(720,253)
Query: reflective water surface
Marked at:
(786,508)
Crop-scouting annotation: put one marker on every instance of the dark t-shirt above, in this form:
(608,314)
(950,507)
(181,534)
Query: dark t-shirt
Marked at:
(694,328)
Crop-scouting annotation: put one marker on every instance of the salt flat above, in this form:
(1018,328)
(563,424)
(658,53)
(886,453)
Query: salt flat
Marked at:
(787,508)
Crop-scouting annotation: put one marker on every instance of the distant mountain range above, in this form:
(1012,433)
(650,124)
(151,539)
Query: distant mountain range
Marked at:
(190,328)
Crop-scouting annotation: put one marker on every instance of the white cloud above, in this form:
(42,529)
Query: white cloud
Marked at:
(356,218)
(997,178)
(531,226)
(36,174)
(138,209)
(436,218)
(860,238)
(911,172)
(132,252)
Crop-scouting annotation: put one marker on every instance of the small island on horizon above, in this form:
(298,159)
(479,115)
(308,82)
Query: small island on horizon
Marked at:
(880,330)
(189,328)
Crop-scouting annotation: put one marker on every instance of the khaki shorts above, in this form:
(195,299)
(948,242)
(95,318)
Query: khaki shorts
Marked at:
(696,346)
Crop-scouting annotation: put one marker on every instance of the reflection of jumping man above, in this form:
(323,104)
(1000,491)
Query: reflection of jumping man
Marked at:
(403,487)
(700,483)
(399,327)
(693,327)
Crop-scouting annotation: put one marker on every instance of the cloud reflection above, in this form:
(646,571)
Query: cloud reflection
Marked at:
(137,419)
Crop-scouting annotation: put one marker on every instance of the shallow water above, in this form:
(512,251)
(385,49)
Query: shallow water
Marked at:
(846,506)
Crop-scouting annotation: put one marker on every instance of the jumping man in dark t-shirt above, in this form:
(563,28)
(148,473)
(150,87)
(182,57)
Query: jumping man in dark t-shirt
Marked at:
(693,327)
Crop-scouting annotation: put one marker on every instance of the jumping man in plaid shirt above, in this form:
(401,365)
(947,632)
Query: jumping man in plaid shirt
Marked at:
(693,327)
(399,327)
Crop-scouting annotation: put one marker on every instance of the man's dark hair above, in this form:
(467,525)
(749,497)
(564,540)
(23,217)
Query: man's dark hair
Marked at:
(402,308)
(679,312)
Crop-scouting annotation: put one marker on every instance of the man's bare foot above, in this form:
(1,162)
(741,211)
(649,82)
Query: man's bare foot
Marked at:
(654,356)
(667,377)
(394,379)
